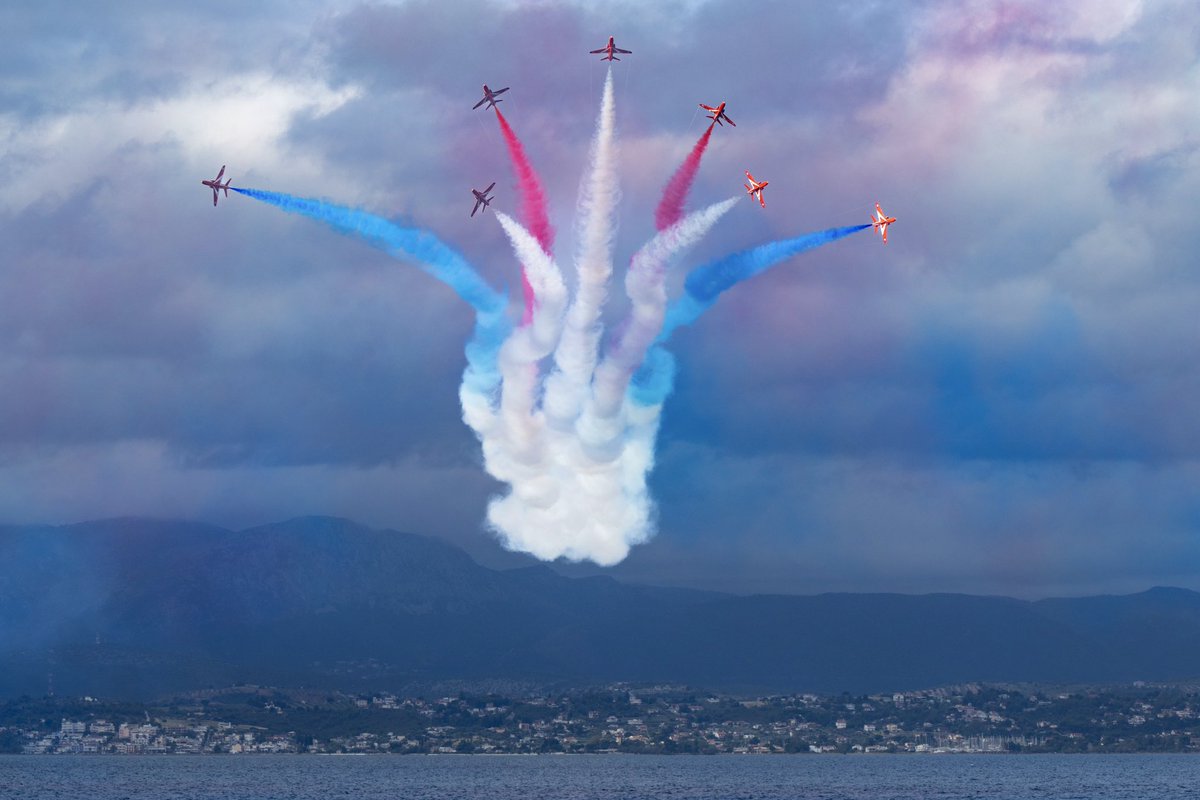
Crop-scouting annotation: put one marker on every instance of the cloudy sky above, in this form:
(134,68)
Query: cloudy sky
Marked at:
(1002,400)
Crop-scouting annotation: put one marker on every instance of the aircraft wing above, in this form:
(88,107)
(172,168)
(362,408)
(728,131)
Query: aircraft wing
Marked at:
(601,50)
(219,174)
(501,91)
(214,197)
(476,208)
(619,50)
(731,122)
(485,191)
(477,105)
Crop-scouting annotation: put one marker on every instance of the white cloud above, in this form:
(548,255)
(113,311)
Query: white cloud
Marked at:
(236,120)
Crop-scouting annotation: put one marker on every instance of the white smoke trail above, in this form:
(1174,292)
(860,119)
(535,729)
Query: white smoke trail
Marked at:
(575,356)
(536,340)
(515,449)
(562,503)
(609,508)
(577,465)
(599,428)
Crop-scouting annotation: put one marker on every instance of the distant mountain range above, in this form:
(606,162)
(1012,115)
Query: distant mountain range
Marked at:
(136,608)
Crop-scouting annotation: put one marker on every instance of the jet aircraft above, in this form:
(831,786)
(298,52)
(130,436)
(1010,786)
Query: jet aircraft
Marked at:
(756,188)
(717,114)
(489,97)
(215,184)
(881,221)
(609,49)
(481,198)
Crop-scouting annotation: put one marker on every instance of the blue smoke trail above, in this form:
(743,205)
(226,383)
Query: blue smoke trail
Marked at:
(655,379)
(705,283)
(702,287)
(435,257)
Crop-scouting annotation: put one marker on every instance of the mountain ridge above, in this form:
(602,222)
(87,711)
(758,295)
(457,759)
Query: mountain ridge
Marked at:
(133,606)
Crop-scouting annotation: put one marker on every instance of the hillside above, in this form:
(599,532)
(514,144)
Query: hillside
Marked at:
(135,607)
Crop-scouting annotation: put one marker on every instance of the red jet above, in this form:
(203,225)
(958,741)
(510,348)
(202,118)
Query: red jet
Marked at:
(215,184)
(881,221)
(756,188)
(481,198)
(717,114)
(609,49)
(489,97)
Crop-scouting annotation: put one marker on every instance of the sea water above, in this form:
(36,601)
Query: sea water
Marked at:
(580,777)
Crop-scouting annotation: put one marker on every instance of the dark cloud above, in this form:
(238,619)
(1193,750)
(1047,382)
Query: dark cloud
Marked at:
(1148,176)
(62,54)
(1000,400)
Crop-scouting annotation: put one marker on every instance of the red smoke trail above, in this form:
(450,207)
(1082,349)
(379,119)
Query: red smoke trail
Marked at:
(533,206)
(670,208)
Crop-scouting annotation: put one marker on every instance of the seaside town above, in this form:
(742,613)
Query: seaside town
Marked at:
(612,719)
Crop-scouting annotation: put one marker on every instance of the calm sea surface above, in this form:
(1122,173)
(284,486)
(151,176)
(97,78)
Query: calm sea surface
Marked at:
(999,777)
